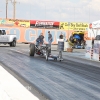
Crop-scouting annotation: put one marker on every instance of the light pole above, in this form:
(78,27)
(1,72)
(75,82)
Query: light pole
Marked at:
(14,9)
(7,8)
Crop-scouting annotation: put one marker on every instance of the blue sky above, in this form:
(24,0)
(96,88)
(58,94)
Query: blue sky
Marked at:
(55,10)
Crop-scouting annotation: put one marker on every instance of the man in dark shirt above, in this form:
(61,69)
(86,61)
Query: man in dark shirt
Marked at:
(61,36)
(41,37)
(39,40)
(49,37)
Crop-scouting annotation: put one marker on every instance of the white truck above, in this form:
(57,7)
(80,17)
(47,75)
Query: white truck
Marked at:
(7,38)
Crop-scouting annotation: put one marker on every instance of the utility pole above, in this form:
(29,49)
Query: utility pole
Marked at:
(7,8)
(14,9)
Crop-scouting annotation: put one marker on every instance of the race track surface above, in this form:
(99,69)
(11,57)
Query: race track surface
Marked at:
(66,80)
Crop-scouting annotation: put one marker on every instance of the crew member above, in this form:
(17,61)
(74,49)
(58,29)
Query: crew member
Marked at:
(50,39)
(40,40)
(61,36)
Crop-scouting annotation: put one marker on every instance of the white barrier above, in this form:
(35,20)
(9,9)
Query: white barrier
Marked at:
(96,50)
(88,49)
(12,89)
(3,94)
(66,45)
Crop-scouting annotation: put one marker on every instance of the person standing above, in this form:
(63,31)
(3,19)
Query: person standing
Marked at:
(50,39)
(61,36)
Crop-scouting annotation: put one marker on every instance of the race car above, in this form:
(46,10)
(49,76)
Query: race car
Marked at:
(42,49)
(45,50)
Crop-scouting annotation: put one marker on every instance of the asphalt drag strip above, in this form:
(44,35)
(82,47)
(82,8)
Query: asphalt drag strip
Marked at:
(64,80)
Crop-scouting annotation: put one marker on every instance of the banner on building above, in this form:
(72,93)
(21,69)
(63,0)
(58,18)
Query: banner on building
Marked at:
(74,26)
(20,23)
(15,22)
(44,24)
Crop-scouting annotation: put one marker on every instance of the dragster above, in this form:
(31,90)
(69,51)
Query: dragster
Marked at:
(44,50)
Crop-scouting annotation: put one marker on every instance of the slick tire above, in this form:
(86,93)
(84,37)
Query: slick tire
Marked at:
(32,50)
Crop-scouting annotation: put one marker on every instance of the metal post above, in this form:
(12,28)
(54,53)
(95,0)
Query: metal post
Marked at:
(14,9)
(6,7)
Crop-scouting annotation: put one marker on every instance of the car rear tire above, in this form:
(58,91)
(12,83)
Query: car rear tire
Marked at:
(14,43)
(32,49)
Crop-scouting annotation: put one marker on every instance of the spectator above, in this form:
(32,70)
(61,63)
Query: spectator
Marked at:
(61,36)
(50,39)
